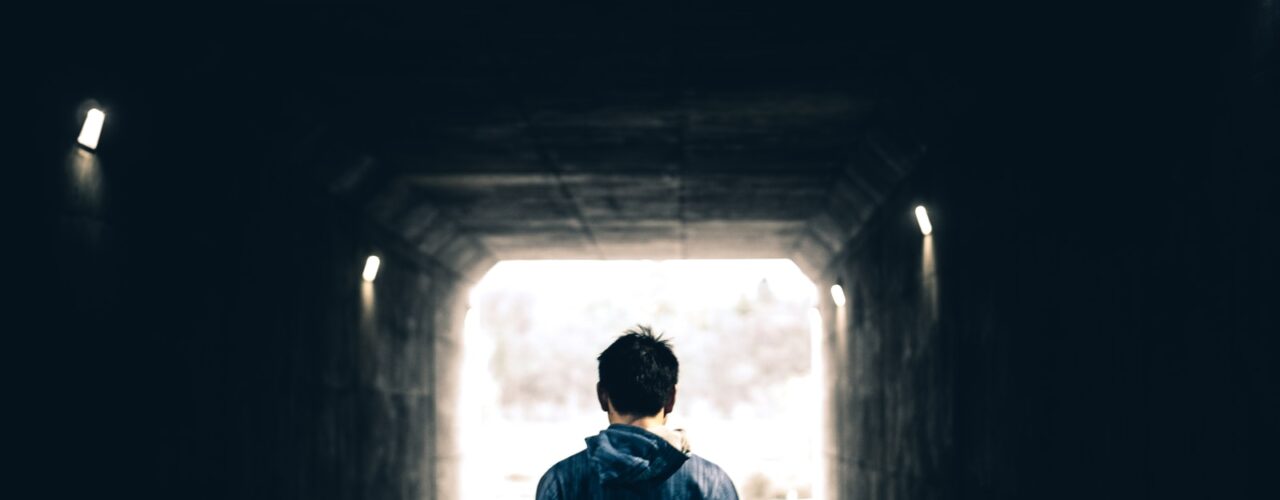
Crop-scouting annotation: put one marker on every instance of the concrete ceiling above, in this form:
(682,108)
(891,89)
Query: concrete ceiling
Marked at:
(712,137)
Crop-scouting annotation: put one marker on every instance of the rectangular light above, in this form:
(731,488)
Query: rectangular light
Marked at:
(92,128)
(371,268)
(837,294)
(922,217)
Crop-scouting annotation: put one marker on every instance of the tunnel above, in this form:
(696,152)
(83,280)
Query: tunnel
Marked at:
(1044,236)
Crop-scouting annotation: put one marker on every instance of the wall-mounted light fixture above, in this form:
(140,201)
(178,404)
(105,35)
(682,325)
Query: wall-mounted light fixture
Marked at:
(837,295)
(922,216)
(371,268)
(92,128)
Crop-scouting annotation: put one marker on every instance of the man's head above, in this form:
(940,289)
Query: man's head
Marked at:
(638,374)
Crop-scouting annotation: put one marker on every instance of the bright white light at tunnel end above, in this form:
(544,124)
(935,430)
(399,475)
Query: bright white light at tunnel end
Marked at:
(371,268)
(92,128)
(837,295)
(922,217)
(685,293)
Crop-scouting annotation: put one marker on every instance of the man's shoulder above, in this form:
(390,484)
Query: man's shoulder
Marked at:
(574,461)
(710,477)
(563,473)
(702,465)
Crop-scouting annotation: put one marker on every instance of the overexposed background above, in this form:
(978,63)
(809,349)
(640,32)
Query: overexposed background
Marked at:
(742,329)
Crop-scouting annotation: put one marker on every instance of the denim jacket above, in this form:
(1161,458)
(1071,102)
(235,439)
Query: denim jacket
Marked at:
(625,462)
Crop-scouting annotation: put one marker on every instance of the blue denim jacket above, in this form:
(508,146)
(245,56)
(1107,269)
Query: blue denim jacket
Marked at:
(625,462)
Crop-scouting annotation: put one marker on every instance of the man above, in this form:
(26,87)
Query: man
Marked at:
(637,457)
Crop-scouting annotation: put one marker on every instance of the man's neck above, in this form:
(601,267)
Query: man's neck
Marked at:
(643,421)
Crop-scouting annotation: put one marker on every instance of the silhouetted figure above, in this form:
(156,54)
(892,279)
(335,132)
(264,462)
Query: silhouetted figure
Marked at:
(637,457)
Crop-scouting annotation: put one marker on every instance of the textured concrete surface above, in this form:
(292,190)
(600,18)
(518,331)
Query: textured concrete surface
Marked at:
(1087,318)
(710,139)
(636,176)
(218,334)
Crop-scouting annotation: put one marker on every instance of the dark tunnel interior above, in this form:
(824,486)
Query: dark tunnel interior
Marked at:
(1094,313)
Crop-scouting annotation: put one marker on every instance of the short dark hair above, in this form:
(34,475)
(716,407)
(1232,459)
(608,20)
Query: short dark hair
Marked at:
(639,372)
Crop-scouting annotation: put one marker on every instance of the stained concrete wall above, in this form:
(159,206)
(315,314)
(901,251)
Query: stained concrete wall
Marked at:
(1094,313)
(194,324)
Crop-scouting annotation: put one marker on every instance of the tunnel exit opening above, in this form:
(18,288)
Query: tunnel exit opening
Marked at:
(746,332)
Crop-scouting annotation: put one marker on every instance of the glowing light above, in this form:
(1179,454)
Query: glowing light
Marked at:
(92,128)
(922,216)
(568,282)
(817,378)
(815,322)
(837,294)
(683,298)
(371,268)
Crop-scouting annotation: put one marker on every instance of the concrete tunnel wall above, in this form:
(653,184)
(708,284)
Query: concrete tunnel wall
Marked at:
(203,325)
(1093,314)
